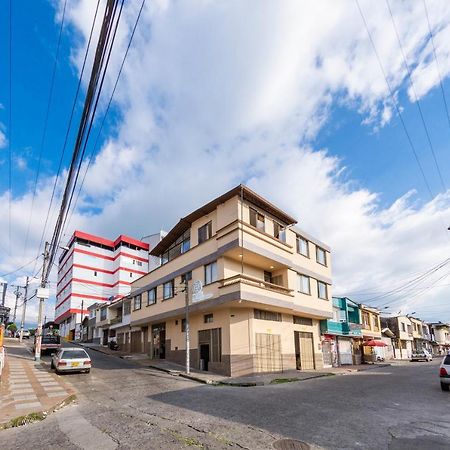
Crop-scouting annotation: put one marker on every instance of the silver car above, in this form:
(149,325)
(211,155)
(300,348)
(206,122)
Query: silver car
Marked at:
(71,359)
(444,373)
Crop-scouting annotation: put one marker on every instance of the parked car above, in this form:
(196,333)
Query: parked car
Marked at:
(423,355)
(444,373)
(71,359)
(49,342)
(25,334)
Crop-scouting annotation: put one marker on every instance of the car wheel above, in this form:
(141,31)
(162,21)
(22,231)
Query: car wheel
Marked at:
(445,387)
(88,370)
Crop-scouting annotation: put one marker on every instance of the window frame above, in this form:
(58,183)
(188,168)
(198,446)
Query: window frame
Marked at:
(299,283)
(154,290)
(258,216)
(320,249)
(298,246)
(322,283)
(172,289)
(205,271)
(135,298)
(208,227)
(208,318)
(261,314)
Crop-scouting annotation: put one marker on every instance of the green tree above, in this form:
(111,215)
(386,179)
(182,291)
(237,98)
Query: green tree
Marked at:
(12,327)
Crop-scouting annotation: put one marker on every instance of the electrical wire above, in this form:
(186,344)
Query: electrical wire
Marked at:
(44,133)
(437,63)
(97,140)
(413,89)
(394,103)
(20,268)
(69,126)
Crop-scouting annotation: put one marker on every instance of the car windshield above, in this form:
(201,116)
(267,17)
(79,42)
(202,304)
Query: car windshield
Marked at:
(447,360)
(50,339)
(74,354)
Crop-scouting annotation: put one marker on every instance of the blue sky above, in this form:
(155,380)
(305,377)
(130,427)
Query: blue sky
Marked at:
(247,84)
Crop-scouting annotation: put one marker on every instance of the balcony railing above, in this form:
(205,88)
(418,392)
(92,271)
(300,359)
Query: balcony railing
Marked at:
(252,281)
(345,328)
(117,319)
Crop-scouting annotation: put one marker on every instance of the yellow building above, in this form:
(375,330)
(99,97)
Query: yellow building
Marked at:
(371,331)
(258,288)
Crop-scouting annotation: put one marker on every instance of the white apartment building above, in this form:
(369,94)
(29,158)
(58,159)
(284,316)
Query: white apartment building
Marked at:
(95,270)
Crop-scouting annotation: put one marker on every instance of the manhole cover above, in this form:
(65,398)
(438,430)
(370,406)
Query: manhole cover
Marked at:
(291,444)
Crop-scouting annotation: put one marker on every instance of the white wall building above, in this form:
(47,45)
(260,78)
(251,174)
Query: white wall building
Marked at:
(95,270)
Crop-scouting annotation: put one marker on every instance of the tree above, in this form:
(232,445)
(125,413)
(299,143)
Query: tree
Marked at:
(12,327)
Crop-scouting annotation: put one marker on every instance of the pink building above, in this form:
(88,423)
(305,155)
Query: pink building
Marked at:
(95,270)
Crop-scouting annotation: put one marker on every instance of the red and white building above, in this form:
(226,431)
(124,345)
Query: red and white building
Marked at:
(95,270)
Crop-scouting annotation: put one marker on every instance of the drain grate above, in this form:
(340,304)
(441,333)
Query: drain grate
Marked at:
(291,444)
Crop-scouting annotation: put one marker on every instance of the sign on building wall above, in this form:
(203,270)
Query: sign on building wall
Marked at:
(197,292)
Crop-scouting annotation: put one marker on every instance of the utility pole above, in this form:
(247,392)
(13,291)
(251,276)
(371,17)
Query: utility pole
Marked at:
(17,293)
(24,309)
(82,317)
(5,285)
(188,342)
(42,295)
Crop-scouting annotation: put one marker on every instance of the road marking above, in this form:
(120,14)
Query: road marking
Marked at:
(57,394)
(49,383)
(24,397)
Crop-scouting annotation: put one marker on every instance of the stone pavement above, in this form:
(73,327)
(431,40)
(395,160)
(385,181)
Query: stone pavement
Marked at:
(27,386)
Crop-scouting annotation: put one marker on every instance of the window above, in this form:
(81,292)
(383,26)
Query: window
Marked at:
(151,297)
(95,273)
(267,315)
(180,246)
(126,308)
(336,314)
(208,318)
(267,276)
(183,325)
(366,320)
(186,276)
(322,290)
(303,284)
(139,263)
(168,290)
(131,274)
(257,219)
(279,231)
(134,261)
(403,327)
(211,273)
(302,321)
(137,302)
(103,314)
(205,232)
(302,246)
(321,256)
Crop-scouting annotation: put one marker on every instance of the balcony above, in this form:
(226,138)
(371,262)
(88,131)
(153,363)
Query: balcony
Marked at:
(115,320)
(343,328)
(251,281)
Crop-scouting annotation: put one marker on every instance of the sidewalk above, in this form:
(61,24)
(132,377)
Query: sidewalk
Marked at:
(27,387)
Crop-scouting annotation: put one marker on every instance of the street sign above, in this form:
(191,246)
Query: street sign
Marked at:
(197,292)
(43,293)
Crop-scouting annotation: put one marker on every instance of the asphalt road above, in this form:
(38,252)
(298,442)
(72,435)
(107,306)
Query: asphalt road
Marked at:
(123,405)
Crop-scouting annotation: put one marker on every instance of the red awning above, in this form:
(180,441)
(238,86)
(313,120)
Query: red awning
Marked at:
(374,343)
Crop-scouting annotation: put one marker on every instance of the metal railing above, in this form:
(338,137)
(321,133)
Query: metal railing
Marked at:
(252,281)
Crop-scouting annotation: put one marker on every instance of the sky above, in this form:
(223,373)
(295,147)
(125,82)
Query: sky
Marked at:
(333,110)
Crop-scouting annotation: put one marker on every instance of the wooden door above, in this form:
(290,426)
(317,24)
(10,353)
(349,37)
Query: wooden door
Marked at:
(268,353)
(306,347)
(136,346)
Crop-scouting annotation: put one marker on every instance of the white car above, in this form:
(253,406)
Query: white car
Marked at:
(422,355)
(71,359)
(444,373)
(26,334)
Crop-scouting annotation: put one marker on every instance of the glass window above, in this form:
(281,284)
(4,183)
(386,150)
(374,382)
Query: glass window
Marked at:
(302,246)
(205,232)
(186,276)
(103,314)
(302,321)
(181,245)
(183,325)
(168,290)
(126,308)
(208,318)
(303,284)
(137,302)
(267,315)
(267,276)
(322,290)
(279,231)
(211,273)
(151,296)
(321,256)
(257,219)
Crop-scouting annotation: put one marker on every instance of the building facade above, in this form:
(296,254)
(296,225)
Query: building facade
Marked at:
(421,335)
(440,337)
(95,270)
(341,335)
(402,330)
(257,290)
(371,331)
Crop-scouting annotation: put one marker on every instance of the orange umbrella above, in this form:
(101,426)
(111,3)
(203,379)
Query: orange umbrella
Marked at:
(374,343)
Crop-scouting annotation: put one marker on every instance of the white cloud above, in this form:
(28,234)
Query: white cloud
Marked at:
(218,93)
(3,139)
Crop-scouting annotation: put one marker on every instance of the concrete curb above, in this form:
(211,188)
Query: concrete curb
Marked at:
(37,415)
(198,379)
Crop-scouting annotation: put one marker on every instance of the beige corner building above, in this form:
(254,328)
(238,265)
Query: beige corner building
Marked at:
(258,288)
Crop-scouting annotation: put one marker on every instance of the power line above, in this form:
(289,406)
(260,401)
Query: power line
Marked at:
(20,268)
(408,71)
(437,63)
(91,156)
(80,78)
(47,113)
(391,93)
